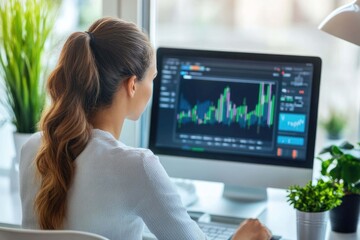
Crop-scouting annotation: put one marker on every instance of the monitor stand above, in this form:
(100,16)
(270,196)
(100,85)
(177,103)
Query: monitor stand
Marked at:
(233,201)
(246,194)
(244,202)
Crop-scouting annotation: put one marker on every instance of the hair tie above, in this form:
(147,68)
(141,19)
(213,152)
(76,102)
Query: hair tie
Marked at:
(91,35)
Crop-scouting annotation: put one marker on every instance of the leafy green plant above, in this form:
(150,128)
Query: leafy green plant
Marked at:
(320,197)
(25,26)
(342,166)
(335,124)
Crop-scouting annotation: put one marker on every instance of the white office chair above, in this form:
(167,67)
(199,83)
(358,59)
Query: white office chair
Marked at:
(7,233)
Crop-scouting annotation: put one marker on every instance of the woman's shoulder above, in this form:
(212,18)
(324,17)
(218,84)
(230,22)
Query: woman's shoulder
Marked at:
(109,147)
(134,155)
(30,148)
(33,142)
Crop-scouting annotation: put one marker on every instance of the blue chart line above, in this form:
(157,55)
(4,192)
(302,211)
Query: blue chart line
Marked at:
(292,122)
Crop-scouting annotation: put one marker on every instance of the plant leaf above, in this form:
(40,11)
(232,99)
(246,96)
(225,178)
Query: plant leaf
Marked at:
(350,172)
(325,150)
(335,150)
(325,165)
(346,145)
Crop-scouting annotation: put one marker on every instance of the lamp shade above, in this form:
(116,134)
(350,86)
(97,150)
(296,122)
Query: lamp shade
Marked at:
(344,23)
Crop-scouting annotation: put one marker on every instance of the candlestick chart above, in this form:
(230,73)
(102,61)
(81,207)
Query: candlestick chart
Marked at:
(242,108)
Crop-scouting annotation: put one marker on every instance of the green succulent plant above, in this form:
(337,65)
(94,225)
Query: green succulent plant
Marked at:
(319,197)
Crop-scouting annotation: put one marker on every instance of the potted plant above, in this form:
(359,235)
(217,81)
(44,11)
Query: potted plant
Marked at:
(312,202)
(25,26)
(334,125)
(343,166)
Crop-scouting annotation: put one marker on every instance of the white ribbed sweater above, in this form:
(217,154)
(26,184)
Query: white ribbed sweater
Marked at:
(116,189)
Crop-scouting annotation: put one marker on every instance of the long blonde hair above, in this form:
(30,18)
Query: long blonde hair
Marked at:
(91,67)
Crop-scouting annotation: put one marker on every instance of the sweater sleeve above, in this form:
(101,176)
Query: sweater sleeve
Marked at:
(161,208)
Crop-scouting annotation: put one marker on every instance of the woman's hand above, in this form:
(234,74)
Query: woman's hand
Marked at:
(252,229)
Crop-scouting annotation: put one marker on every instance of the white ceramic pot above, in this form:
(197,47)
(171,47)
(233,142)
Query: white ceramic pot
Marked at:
(19,140)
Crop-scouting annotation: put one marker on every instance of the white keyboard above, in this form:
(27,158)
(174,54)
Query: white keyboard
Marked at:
(215,227)
(217,231)
(213,231)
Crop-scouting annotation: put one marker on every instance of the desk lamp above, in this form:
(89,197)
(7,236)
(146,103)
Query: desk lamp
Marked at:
(344,23)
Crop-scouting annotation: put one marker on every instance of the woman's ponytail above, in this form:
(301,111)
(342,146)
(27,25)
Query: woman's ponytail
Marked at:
(74,88)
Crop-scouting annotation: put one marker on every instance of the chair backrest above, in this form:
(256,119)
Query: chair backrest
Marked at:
(7,233)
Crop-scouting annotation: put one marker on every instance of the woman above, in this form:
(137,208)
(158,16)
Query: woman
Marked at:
(74,174)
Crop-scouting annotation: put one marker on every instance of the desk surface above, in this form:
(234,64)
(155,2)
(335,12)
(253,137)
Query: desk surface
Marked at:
(278,216)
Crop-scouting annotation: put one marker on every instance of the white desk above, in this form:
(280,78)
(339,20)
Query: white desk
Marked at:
(279,216)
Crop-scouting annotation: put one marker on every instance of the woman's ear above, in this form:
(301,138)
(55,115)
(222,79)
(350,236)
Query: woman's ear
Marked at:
(130,85)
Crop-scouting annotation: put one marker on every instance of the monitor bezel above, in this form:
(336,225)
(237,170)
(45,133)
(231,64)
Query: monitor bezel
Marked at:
(309,160)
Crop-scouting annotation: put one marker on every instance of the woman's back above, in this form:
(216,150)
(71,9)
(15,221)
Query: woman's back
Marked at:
(115,190)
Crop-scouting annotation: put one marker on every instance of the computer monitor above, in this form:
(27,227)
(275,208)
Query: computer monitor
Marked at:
(244,119)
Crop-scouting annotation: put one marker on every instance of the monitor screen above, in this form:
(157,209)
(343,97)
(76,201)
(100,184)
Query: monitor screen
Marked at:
(239,107)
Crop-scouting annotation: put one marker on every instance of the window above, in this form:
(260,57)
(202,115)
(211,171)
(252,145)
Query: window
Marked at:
(277,26)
